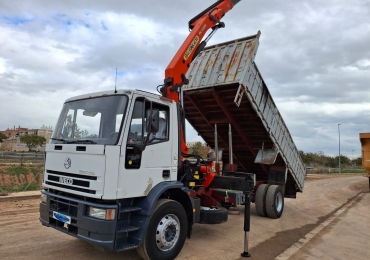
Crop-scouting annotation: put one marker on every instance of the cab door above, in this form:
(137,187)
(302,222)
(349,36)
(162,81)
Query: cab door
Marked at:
(140,170)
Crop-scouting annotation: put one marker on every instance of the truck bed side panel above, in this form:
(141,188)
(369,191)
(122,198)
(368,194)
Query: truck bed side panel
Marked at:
(214,79)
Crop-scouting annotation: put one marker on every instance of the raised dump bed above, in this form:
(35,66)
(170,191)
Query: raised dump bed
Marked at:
(365,148)
(225,87)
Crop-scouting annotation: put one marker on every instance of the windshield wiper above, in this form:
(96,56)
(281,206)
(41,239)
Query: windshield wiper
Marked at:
(82,142)
(75,142)
(62,140)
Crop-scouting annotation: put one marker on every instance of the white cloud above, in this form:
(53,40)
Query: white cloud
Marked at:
(2,65)
(313,56)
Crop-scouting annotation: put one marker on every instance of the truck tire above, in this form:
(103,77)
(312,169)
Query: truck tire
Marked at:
(260,199)
(213,216)
(274,201)
(166,232)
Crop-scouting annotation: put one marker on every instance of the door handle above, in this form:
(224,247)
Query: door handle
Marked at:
(166,173)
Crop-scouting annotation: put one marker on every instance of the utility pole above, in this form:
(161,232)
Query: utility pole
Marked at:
(339,145)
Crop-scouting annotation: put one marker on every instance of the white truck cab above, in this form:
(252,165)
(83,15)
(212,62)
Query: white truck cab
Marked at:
(95,148)
(111,166)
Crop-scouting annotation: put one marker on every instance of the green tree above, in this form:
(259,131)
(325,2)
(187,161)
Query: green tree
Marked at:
(84,133)
(195,148)
(77,133)
(307,158)
(320,158)
(331,162)
(203,151)
(357,161)
(32,141)
(344,161)
(2,137)
(199,149)
(80,133)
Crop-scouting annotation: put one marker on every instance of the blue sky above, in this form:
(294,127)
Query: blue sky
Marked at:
(15,20)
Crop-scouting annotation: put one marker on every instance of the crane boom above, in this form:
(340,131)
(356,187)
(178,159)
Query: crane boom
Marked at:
(180,63)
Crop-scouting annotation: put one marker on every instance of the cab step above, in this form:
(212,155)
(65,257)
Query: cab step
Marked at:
(125,246)
(121,228)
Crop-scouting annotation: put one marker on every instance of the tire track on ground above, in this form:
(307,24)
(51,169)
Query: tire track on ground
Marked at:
(319,228)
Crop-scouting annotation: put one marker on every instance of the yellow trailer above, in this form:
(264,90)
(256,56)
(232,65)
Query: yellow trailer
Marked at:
(365,144)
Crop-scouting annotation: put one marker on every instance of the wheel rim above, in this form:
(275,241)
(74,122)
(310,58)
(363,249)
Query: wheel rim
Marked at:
(168,232)
(279,202)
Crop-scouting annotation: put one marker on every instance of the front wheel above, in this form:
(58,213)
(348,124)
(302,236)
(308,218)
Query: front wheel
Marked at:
(166,232)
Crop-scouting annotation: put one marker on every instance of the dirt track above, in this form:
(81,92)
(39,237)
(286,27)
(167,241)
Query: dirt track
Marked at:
(346,237)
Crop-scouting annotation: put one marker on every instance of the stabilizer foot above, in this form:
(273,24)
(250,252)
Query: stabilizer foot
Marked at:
(245,254)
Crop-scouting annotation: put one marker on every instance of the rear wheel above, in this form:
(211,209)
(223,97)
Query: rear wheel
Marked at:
(260,199)
(274,201)
(166,232)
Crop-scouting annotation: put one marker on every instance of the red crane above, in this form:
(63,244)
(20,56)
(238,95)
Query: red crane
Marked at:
(191,47)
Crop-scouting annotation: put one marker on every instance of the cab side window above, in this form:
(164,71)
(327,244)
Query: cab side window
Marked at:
(162,134)
(137,133)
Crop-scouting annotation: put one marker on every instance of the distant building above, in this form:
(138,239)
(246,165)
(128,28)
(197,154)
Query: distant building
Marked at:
(13,133)
(45,131)
(13,143)
(190,144)
(27,131)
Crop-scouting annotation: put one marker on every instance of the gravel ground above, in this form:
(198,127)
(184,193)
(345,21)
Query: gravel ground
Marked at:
(341,199)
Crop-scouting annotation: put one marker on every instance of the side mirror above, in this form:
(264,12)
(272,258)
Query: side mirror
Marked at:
(152,120)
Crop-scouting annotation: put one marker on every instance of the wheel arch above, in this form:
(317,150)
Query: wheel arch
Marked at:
(173,190)
(183,198)
(148,203)
(191,207)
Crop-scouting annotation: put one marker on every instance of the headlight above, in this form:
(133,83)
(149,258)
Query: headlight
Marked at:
(44,198)
(107,214)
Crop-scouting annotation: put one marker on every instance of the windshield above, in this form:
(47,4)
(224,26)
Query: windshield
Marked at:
(91,121)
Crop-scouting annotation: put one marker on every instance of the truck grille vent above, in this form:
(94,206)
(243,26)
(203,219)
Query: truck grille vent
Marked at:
(75,182)
(70,187)
(63,206)
(66,174)
(81,148)
(66,207)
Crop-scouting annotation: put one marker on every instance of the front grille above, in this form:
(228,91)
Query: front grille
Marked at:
(66,174)
(70,181)
(66,207)
(70,187)
(75,182)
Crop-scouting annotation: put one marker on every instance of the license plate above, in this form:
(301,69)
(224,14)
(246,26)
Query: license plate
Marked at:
(61,217)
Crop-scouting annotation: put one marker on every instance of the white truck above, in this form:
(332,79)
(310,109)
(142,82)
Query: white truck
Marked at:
(117,171)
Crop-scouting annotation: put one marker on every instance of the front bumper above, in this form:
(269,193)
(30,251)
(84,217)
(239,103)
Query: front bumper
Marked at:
(101,233)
